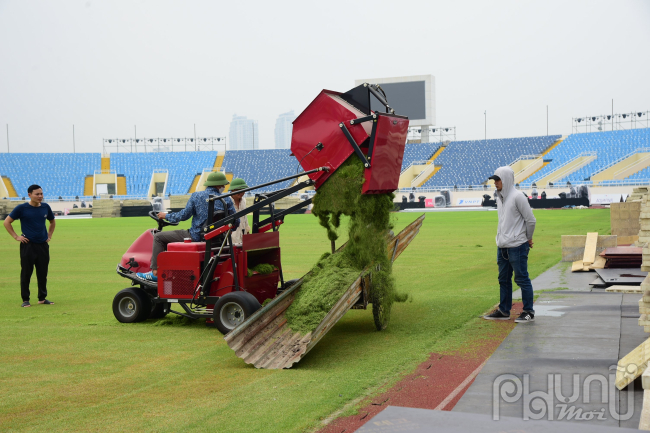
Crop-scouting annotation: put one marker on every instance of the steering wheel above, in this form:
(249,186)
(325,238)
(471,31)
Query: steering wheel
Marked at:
(161,223)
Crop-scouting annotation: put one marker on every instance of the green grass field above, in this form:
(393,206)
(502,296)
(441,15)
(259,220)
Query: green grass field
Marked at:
(73,367)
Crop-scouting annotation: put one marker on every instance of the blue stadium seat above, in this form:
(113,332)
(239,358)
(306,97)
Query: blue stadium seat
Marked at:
(60,174)
(261,166)
(182,168)
(610,146)
(416,152)
(472,162)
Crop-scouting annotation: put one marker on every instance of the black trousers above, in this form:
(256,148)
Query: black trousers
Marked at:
(34,256)
(160,241)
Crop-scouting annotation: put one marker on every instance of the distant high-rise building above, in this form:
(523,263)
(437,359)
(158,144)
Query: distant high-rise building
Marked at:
(243,134)
(283,128)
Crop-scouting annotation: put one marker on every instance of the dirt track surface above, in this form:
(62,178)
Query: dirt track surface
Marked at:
(433,380)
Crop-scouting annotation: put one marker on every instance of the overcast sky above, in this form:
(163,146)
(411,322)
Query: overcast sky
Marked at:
(164,66)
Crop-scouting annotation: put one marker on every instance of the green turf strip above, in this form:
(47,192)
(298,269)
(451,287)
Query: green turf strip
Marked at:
(73,367)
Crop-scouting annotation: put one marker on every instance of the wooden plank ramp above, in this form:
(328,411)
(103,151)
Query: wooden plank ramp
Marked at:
(266,341)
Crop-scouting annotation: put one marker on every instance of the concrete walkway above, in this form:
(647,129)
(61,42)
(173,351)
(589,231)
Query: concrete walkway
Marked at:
(542,369)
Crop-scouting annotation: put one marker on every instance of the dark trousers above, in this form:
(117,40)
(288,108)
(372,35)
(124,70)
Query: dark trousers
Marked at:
(514,260)
(160,241)
(34,256)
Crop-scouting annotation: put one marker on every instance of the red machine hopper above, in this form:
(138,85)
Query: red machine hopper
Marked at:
(337,124)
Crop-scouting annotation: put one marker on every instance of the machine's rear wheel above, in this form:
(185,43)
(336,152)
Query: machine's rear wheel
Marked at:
(380,314)
(131,305)
(233,309)
(288,284)
(159,310)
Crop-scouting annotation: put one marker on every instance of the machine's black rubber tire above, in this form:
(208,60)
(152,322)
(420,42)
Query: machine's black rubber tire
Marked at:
(380,314)
(233,309)
(131,305)
(159,310)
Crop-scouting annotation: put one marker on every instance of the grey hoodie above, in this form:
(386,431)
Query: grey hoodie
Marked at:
(516,219)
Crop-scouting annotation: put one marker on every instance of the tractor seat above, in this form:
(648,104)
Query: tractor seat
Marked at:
(186,246)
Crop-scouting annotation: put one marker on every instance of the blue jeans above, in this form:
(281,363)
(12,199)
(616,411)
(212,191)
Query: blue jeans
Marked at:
(509,260)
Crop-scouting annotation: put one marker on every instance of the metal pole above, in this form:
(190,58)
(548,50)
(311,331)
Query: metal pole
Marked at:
(73,145)
(485,114)
(135,138)
(612,114)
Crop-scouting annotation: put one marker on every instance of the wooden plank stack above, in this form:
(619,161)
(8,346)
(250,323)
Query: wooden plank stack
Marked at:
(640,195)
(106,208)
(178,201)
(637,194)
(644,229)
(129,203)
(9,205)
(625,221)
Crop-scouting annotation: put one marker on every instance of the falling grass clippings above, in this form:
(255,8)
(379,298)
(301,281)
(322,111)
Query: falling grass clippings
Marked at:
(370,220)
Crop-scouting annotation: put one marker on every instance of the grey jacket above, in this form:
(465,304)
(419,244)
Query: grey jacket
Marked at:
(516,219)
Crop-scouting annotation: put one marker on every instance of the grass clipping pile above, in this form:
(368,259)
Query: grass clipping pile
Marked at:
(370,221)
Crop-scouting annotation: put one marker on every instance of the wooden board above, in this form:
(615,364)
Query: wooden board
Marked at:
(266,341)
(644,307)
(644,420)
(645,378)
(577,266)
(590,248)
(632,365)
(599,263)
(624,289)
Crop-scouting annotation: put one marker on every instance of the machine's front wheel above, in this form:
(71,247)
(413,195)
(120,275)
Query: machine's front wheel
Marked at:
(233,309)
(131,305)
(159,310)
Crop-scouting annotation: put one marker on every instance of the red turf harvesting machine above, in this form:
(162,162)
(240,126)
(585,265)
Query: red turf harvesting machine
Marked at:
(210,279)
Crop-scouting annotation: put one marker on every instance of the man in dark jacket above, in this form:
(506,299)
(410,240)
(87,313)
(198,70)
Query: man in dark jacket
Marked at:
(197,209)
(34,242)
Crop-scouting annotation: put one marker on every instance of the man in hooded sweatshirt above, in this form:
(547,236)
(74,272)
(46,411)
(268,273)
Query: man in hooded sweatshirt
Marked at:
(514,241)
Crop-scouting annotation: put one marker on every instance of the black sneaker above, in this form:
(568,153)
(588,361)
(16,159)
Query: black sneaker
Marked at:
(496,315)
(525,317)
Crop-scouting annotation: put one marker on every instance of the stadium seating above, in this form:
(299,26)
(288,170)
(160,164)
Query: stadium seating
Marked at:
(472,162)
(609,145)
(182,168)
(60,174)
(418,152)
(261,166)
(462,163)
(642,175)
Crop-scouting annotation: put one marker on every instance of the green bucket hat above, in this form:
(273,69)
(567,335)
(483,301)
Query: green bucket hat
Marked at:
(237,184)
(216,178)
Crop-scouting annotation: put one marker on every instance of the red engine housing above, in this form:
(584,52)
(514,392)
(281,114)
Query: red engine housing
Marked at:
(179,268)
